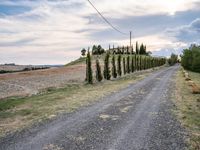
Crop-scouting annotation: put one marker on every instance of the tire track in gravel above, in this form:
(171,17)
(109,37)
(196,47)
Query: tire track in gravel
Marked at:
(135,118)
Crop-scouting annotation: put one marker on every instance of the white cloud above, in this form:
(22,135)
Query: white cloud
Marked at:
(186,33)
(52,29)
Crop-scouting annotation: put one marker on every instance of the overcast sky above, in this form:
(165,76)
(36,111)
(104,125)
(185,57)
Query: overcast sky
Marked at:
(54,31)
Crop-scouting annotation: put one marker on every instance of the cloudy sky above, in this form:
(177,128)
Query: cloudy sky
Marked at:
(54,31)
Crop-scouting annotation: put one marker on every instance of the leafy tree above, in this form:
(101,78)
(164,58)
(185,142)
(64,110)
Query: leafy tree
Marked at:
(94,50)
(99,76)
(119,67)
(89,77)
(191,58)
(173,59)
(107,75)
(114,70)
(97,50)
(83,52)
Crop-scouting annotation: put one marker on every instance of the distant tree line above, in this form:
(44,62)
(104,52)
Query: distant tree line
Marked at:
(139,49)
(191,58)
(173,59)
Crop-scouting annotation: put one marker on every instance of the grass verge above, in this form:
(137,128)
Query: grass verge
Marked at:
(188,107)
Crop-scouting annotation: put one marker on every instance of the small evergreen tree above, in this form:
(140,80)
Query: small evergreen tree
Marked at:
(89,77)
(114,70)
(99,76)
(119,67)
(107,75)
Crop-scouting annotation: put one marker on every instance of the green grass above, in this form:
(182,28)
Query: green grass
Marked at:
(80,60)
(188,108)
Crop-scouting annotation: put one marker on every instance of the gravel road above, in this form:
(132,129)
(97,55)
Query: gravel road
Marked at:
(136,118)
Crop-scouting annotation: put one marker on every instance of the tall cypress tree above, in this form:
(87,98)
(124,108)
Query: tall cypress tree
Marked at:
(107,75)
(135,61)
(119,66)
(114,70)
(99,76)
(132,64)
(140,62)
(124,65)
(128,64)
(89,77)
(137,48)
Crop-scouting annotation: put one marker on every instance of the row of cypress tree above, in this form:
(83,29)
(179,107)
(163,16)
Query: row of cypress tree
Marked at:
(126,64)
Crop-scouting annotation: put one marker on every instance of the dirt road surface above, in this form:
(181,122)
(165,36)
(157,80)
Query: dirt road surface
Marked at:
(136,118)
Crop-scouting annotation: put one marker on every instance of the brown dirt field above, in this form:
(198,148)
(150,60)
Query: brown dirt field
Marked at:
(32,82)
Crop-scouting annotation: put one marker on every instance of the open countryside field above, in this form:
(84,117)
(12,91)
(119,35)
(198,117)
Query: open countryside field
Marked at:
(33,82)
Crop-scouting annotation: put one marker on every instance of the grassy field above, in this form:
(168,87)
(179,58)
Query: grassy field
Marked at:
(19,112)
(188,107)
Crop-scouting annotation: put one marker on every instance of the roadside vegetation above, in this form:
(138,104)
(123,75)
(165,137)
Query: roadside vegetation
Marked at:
(188,95)
(117,59)
(190,59)
(188,107)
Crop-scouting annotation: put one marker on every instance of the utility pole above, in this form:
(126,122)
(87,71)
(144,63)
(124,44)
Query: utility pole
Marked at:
(130,39)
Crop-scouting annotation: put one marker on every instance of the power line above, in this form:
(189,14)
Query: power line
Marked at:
(106,19)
